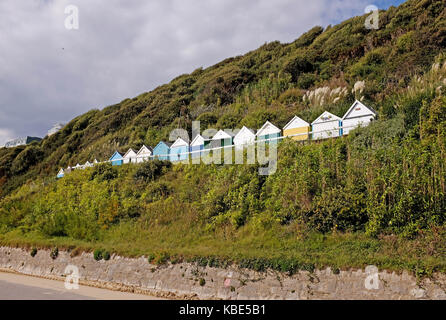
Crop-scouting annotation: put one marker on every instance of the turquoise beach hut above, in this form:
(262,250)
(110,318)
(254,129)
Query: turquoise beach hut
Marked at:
(179,150)
(61,174)
(116,159)
(162,151)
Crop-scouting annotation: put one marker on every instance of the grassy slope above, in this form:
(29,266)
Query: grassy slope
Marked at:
(266,83)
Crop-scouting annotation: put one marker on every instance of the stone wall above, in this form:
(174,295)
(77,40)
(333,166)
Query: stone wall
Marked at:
(188,281)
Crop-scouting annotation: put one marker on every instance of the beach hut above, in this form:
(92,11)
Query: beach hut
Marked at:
(95,162)
(220,139)
(327,125)
(61,173)
(162,150)
(116,159)
(143,154)
(129,156)
(179,150)
(297,128)
(268,131)
(77,166)
(197,145)
(68,170)
(88,165)
(244,137)
(359,115)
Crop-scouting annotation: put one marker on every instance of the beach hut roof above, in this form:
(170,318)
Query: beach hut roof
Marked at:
(222,135)
(116,156)
(359,107)
(198,140)
(144,149)
(246,131)
(326,117)
(168,144)
(296,122)
(268,128)
(130,154)
(180,142)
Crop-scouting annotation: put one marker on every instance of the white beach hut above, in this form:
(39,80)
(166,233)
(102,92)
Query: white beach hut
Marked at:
(244,137)
(130,156)
(220,139)
(269,131)
(143,154)
(359,115)
(327,125)
(197,145)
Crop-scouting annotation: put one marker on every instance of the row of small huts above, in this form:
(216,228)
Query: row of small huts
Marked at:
(327,125)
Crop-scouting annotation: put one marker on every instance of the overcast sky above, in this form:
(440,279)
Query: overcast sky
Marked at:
(122,48)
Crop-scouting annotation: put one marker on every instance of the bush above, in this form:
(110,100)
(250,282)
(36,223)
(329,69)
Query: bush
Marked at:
(202,282)
(97,254)
(104,172)
(106,255)
(162,258)
(151,170)
(306,80)
(33,252)
(26,159)
(54,253)
(151,258)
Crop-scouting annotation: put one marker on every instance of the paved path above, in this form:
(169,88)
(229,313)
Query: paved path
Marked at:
(21,287)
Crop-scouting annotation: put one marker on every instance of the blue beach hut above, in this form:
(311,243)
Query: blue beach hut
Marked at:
(162,150)
(179,150)
(61,174)
(116,159)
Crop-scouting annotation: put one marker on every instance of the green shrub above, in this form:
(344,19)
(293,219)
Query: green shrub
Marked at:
(202,282)
(151,170)
(97,254)
(33,252)
(104,172)
(151,258)
(106,255)
(54,253)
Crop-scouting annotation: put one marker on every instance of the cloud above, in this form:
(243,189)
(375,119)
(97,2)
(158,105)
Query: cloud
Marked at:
(125,47)
(5,136)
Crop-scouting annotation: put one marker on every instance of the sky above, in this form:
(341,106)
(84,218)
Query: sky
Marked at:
(50,73)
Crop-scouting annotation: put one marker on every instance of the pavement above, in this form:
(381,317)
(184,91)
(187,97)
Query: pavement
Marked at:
(21,287)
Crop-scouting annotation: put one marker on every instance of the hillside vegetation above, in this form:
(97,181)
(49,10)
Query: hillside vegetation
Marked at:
(376,196)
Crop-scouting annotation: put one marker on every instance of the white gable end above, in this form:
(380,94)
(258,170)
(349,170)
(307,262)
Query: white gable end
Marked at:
(180,143)
(358,109)
(296,122)
(144,151)
(130,154)
(326,117)
(268,128)
(221,135)
(244,136)
(198,141)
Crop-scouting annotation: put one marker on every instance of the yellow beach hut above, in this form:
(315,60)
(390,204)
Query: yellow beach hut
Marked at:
(297,128)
